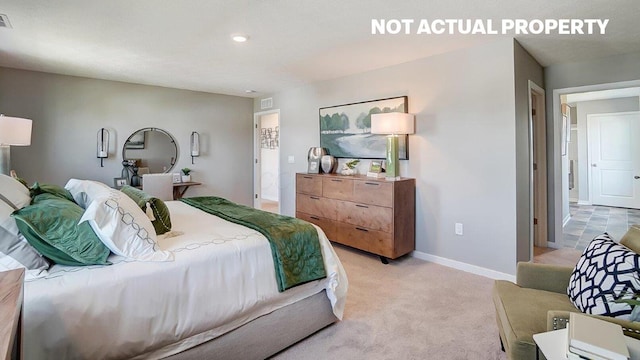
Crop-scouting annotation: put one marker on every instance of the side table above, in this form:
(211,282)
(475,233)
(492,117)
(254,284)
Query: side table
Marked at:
(553,345)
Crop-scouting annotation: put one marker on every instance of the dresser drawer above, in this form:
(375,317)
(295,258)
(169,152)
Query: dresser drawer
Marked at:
(316,205)
(309,184)
(337,188)
(368,216)
(327,225)
(373,241)
(373,192)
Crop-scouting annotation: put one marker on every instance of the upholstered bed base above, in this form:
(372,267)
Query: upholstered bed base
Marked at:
(267,334)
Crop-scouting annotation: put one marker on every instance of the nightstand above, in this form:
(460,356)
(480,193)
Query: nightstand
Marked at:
(11,292)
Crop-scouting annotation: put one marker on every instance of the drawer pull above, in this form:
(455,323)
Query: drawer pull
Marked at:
(336,180)
(362,229)
(308,177)
(314,197)
(374,184)
(314,217)
(362,206)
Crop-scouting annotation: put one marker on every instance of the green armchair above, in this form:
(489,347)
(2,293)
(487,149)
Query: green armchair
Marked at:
(538,302)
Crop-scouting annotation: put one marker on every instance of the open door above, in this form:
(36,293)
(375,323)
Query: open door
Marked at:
(267,161)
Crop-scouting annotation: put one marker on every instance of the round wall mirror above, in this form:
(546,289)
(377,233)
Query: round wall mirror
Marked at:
(153,150)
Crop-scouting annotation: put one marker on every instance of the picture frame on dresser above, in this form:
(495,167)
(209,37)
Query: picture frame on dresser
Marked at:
(119,182)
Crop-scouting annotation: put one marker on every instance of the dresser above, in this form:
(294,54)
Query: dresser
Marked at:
(373,215)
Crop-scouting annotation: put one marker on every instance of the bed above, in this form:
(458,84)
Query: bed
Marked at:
(218,298)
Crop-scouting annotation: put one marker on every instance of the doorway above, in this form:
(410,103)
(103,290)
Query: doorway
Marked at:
(267,161)
(592,161)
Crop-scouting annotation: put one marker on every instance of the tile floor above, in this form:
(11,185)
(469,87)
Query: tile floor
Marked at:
(587,221)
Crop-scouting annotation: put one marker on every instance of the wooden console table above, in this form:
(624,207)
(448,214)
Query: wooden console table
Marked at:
(180,188)
(11,290)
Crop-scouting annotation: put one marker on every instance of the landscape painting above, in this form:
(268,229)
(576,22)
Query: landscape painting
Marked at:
(345,130)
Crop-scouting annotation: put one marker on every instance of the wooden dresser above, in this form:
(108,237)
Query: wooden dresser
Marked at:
(10,313)
(369,214)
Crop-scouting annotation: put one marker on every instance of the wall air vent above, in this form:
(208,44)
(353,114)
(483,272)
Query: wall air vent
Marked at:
(4,21)
(266,103)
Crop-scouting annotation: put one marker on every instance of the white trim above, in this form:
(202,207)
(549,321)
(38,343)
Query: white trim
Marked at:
(575,200)
(541,96)
(566,220)
(492,274)
(582,202)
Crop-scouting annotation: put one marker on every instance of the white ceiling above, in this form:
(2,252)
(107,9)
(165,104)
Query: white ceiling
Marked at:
(186,43)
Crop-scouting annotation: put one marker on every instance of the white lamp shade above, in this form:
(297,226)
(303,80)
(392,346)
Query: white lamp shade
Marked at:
(15,131)
(393,123)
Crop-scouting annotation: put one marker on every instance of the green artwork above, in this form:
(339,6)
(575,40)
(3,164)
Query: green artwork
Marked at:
(345,130)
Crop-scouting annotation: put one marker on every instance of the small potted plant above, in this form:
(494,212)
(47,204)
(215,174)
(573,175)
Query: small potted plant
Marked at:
(186,177)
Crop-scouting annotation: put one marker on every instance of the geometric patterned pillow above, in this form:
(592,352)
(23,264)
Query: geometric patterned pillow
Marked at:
(605,272)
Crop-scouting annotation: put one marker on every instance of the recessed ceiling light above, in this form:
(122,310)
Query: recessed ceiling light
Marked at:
(249,91)
(239,37)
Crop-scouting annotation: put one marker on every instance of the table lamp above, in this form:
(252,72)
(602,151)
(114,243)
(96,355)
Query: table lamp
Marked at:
(392,125)
(13,132)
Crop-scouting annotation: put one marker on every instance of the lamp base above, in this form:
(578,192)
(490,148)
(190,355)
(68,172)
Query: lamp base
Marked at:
(393,170)
(5,159)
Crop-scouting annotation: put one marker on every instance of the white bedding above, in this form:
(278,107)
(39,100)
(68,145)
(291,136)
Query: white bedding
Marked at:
(222,277)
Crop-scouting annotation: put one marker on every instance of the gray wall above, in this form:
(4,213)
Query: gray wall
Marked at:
(462,155)
(598,71)
(525,68)
(583,109)
(68,111)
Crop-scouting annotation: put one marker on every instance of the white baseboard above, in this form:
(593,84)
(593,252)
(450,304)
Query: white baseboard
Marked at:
(575,200)
(582,202)
(492,274)
(566,220)
(554,245)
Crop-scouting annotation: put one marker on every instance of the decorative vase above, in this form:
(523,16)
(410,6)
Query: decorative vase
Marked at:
(316,153)
(186,178)
(329,164)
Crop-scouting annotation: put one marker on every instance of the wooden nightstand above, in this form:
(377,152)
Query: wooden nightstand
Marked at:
(11,291)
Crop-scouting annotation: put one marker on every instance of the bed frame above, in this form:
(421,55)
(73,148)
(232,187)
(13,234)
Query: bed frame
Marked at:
(268,334)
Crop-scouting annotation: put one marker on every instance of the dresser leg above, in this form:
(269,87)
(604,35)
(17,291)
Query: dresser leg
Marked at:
(384,260)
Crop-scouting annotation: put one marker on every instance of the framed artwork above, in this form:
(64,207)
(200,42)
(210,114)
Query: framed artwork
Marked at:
(118,183)
(345,130)
(375,166)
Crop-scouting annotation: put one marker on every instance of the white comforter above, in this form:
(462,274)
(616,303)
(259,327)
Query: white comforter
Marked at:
(222,277)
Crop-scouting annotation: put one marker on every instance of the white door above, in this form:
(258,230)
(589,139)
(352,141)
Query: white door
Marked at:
(614,158)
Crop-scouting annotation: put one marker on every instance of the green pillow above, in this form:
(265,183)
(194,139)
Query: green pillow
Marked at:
(50,224)
(161,219)
(59,191)
(632,239)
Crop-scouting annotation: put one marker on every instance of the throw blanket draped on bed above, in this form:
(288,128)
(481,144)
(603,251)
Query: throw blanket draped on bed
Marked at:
(294,243)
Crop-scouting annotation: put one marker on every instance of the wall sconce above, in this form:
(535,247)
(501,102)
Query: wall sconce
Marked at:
(13,132)
(392,125)
(103,145)
(195,145)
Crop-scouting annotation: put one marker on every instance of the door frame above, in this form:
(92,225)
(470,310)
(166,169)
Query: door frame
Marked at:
(555,175)
(537,137)
(257,161)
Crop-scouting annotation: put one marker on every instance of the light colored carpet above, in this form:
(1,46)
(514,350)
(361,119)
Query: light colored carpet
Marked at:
(409,309)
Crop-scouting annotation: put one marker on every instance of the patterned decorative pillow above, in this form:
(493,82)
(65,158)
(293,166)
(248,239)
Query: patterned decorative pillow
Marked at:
(606,272)
(124,228)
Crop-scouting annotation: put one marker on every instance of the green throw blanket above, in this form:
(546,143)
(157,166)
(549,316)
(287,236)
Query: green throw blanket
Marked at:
(294,243)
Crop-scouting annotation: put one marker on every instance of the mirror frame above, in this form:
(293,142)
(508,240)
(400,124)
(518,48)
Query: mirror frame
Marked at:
(173,140)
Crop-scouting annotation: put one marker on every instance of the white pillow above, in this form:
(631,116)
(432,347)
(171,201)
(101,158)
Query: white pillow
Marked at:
(123,227)
(15,251)
(14,191)
(84,191)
